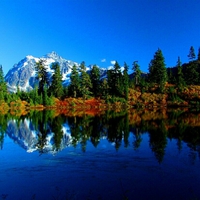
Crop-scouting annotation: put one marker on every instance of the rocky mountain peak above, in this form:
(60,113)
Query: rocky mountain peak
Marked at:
(52,55)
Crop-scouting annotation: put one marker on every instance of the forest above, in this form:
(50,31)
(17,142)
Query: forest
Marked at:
(161,86)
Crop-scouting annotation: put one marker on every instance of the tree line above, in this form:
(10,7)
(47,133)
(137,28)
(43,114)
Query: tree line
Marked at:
(114,87)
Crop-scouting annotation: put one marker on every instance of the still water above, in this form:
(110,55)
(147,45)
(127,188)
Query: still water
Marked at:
(124,155)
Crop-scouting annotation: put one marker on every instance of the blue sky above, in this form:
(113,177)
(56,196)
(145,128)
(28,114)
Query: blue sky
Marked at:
(99,30)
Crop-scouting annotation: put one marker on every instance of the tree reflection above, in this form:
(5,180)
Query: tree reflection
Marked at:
(42,125)
(81,130)
(114,131)
(56,127)
(126,130)
(158,143)
(161,126)
(138,138)
(74,129)
(96,131)
(3,126)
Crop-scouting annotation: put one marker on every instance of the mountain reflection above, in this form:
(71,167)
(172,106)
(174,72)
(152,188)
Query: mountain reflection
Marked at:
(50,132)
(40,132)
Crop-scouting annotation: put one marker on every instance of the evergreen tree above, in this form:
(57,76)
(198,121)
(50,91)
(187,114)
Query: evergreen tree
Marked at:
(56,88)
(171,77)
(35,99)
(95,79)
(157,70)
(104,89)
(125,80)
(191,54)
(66,91)
(85,81)
(110,81)
(143,84)
(180,80)
(74,86)
(115,80)
(191,74)
(56,126)
(45,96)
(3,86)
(137,73)
(198,54)
(41,75)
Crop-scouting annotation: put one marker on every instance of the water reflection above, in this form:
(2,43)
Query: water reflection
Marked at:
(40,131)
(50,132)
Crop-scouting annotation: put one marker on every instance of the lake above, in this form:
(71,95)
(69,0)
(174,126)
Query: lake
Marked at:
(135,154)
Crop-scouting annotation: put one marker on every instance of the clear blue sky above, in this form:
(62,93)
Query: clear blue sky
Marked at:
(99,30)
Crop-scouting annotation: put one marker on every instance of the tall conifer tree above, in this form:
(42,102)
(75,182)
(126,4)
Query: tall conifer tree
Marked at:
(104,89)
(137,73)
(74,86)
(191,54)
(198,54)
(180,80)
(157,70)
(56,88)
(85,81)
(41,75)
(116,79)
(95,79)
(126,81)
(191,74)
(3,86)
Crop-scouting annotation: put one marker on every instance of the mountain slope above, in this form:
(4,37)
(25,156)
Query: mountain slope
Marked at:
(22,75)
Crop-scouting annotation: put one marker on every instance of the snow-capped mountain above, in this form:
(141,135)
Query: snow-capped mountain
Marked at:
(23,74)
